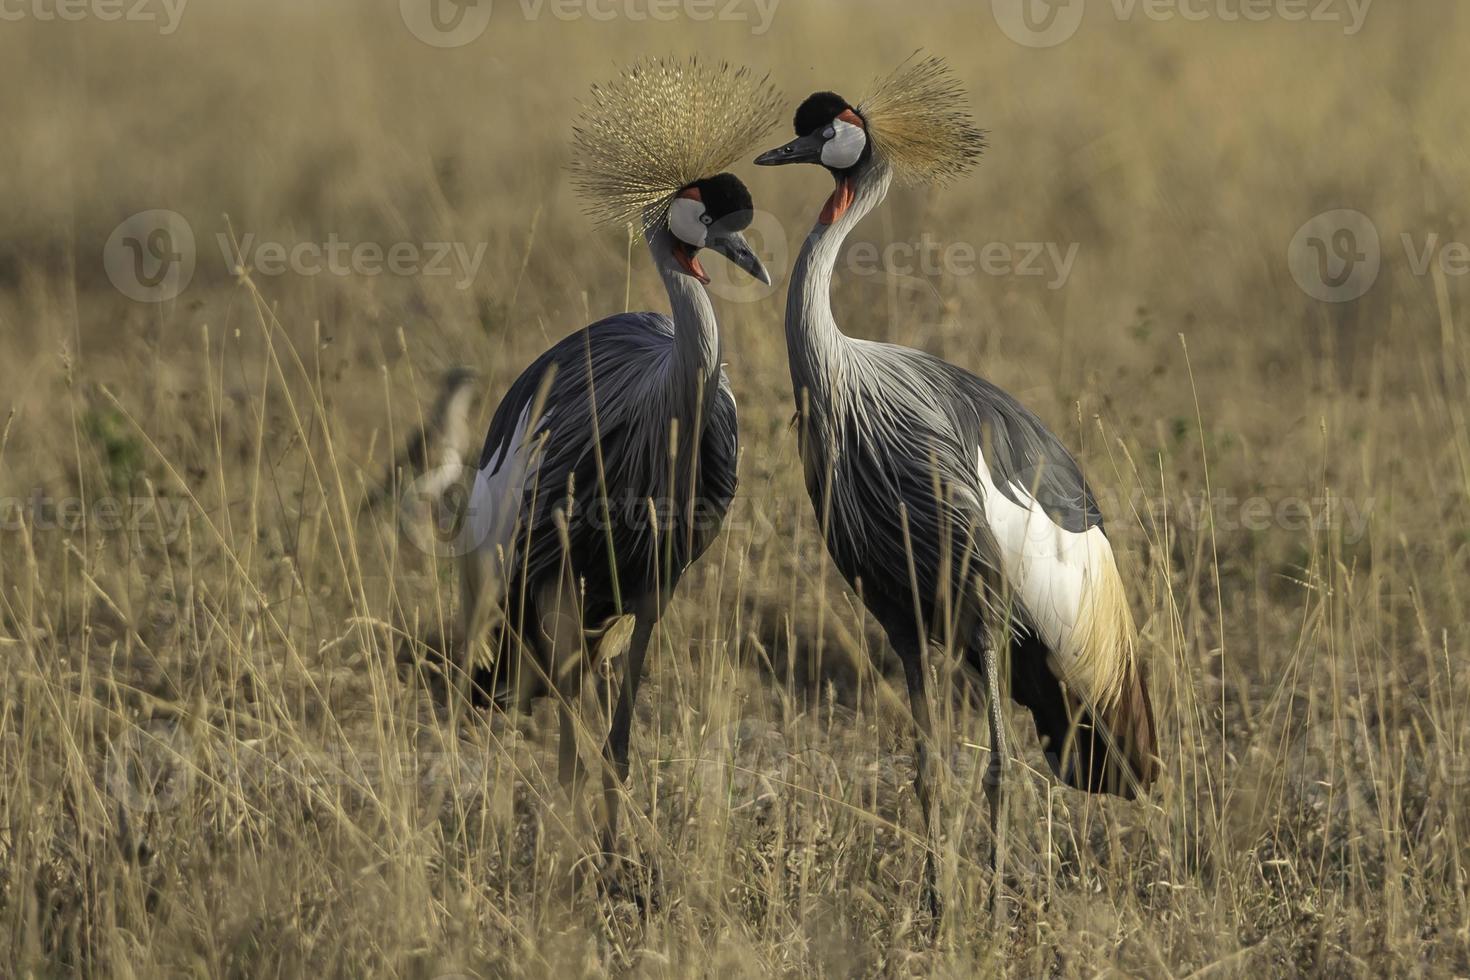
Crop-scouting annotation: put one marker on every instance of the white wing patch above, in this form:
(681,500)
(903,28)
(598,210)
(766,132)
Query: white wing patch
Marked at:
(497,494)
(1067,583)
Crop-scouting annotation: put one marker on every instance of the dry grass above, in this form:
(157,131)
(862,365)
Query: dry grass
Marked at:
(209,765)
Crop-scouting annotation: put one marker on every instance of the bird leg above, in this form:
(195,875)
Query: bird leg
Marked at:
(569,770)
(559,648)
(615,753)
(474,616)
(924,771)
(995,775)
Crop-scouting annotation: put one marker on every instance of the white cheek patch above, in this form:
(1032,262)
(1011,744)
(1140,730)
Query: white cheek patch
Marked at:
(684,221)
(845,146)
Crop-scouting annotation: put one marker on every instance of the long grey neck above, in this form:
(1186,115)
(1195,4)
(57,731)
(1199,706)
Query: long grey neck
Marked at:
(694,371)
(692,374)
(814,345)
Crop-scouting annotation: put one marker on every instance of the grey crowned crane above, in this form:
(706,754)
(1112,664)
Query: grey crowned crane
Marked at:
(610,463)
(952,510)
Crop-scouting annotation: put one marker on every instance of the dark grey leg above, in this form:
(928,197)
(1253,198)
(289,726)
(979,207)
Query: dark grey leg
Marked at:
(995,773)
(564,652)
(569,771)
(474,608)
(615,753)
(924,770)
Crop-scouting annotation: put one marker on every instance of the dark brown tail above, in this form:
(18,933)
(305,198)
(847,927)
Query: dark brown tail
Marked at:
(1114,751)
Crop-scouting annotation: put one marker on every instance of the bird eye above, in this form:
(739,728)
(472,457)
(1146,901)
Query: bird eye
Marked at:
(707,219)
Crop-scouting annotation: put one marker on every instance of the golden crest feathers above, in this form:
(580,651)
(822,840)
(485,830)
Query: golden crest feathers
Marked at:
(660,126)
(918,117)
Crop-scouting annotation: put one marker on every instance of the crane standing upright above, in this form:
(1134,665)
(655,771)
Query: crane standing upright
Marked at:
(610,462)
(953,511)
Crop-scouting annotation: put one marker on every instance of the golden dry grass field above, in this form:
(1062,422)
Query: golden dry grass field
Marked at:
(210,761)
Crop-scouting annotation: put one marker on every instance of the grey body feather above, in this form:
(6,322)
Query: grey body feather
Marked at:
(618,368)
(891,435)
(960,519)
(632,468)
(610,463)
(896,446)
(891,443)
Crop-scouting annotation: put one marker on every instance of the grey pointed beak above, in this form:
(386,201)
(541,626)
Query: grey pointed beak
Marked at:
(735,248)
(803,149)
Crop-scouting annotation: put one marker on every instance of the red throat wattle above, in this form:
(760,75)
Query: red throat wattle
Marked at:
(838,203)
(689,262)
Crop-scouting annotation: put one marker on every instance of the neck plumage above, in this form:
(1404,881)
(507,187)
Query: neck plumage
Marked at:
(814,345)
(694,370)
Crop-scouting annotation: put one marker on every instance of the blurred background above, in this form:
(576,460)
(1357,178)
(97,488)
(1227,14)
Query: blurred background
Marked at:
(1219,247)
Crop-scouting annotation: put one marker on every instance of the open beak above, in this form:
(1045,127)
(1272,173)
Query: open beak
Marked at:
(689,262)
(803,149)
(735,248)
